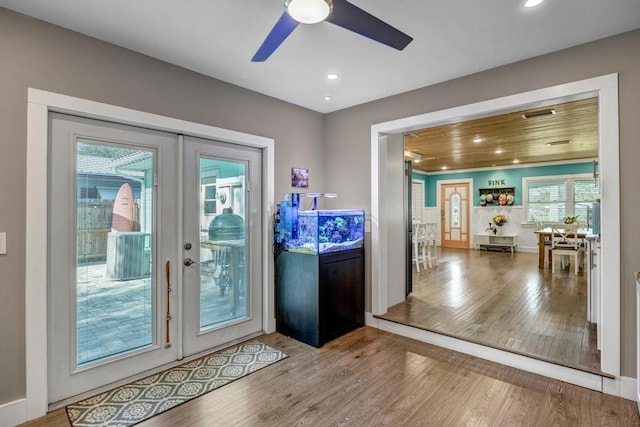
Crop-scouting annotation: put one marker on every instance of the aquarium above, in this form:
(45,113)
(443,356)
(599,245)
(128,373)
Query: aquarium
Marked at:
(324,231)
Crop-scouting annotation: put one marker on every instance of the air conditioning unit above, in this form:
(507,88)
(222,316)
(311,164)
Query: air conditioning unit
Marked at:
(128,255)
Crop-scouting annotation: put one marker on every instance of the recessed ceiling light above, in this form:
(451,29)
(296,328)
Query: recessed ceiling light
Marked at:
(332,76)
(327,98)
(532,3)
(516,161)
(444,168)
(498,151)
(477,140)
(412,156)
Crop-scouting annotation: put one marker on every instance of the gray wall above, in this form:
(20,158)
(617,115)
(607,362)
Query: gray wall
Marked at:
(42,56)
(348,132)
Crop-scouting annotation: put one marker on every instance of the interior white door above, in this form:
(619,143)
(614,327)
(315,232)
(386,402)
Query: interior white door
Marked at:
(113,224)
(222,248)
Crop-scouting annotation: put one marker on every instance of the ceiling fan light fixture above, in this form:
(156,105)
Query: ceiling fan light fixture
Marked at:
(532,3)
(308,11)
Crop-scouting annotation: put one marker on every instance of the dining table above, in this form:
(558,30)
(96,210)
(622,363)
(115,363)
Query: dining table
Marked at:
(545,233)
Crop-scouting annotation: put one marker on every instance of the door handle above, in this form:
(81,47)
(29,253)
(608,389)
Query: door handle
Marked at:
(188,261)
(168,271)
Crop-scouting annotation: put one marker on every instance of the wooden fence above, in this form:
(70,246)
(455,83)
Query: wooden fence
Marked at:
(93,224)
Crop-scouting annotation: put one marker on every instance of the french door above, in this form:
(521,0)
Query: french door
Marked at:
(122,216)
(222,200)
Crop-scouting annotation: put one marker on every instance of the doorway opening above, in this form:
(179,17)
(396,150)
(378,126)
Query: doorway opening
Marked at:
(605,89)
(541,172)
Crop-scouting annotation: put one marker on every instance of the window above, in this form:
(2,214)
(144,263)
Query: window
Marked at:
(585,192)
(417,200)
(549,199)
(208,188)
(455,210)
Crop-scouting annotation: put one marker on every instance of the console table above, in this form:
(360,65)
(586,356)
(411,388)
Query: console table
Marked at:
(496,241)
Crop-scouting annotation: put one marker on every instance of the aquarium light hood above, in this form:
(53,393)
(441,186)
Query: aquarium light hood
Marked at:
(316,196)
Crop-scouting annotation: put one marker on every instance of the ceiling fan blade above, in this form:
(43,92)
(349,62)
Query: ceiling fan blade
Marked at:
(352,18)
(278,34)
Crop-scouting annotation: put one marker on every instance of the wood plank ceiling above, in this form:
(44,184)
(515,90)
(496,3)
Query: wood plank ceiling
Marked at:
(570,132)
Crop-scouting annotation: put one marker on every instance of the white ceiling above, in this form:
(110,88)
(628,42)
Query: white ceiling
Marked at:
(451,39)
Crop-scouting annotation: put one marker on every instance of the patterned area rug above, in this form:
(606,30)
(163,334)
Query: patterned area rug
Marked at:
(138,401)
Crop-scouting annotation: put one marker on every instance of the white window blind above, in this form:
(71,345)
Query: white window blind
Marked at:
(585,192)
(546,201)
(417,200)
(552,199)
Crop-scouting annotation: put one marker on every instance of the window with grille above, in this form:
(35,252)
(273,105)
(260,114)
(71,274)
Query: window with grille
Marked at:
(208,190)
(549,199)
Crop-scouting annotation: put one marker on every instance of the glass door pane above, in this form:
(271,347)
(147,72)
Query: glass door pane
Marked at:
(114,294)
(113,220)
(222,243)
(222,212)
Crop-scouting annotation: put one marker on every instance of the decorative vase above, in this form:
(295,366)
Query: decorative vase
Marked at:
(499,230)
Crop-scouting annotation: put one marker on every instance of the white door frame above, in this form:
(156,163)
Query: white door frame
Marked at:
(40,103)
(606,88)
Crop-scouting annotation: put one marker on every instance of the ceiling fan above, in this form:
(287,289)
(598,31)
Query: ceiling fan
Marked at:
(338,12)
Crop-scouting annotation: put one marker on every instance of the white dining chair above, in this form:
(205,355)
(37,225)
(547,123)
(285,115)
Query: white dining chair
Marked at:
(419,237)
(565,242)
(540,226)
(431,244)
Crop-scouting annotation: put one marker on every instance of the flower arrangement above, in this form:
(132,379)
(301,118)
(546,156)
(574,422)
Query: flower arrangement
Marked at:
(500,220)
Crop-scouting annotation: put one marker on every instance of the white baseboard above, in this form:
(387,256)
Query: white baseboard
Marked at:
(13,413)
(624,387)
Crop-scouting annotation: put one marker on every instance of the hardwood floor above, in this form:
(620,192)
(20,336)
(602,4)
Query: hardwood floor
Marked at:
(371,377)
(505,301)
